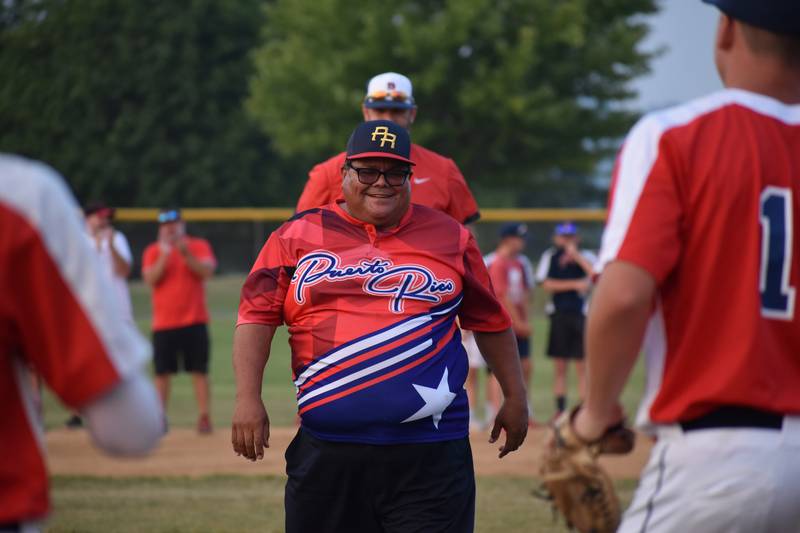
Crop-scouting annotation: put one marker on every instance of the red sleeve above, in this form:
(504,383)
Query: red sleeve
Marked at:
(61,312)
(149,256)
(323,185)
(645,208)
(498,274)
(202,250)
(480,309)
(265,288)
(462,206)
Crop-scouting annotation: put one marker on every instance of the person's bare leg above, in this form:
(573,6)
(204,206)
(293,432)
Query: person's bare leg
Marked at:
(472,388)
(494,395)
(579,370)
(527,372)
(162,386)
(201,392)
(560,384)
(560,377)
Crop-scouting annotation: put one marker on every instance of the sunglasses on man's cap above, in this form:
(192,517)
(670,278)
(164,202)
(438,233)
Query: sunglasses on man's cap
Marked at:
(389,99)
(169,215)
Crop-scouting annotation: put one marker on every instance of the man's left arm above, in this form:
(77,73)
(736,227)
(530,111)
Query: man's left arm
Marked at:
(482,313)
(500,351)
(621,308)
(202,265)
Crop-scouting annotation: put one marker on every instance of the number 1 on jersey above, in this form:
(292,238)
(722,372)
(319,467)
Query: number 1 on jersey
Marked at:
(777,297)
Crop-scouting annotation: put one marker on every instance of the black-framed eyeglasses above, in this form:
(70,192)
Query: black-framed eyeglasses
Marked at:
(394,177)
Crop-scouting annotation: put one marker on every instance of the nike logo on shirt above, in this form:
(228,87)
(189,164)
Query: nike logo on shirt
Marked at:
(420,181)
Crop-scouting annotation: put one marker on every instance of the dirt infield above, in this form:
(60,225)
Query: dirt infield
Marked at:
(184,453)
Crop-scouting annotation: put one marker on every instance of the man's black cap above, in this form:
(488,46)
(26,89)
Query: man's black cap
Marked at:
(514,229)
(379,138)
(779,16)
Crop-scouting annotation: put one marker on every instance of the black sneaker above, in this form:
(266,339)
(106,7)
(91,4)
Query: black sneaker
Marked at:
(74,422)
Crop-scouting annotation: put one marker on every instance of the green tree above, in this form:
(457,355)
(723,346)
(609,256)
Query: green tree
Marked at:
(138,103)
(523,94)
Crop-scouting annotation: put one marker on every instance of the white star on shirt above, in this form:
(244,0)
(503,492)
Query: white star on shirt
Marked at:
(436,401)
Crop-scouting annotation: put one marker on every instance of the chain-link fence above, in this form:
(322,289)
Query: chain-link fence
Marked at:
(236,240)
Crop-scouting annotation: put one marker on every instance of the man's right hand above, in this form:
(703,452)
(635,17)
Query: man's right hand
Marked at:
(513,417)
(250,428)
(571,249)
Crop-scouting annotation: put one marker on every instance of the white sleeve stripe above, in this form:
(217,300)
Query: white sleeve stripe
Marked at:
(636,160)
(544,265)
(40,196)
(122,247)
(527,267)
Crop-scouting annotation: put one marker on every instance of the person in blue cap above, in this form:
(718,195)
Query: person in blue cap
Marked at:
(566,272)
(700,269)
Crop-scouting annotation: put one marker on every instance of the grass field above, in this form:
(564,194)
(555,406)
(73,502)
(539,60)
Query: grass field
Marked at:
(231,503)
(278,392)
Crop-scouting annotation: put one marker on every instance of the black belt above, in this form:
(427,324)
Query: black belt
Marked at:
(9,528)
(733,416)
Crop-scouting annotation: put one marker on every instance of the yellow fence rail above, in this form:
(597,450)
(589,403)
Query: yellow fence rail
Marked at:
(279,214)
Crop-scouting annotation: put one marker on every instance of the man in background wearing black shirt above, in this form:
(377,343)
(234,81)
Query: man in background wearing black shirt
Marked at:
(566,272)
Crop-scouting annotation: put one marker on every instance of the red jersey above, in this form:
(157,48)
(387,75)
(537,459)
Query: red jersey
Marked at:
(376,353)
(436,183)
(179,297)
(510,280)
(60,316)
(705,198)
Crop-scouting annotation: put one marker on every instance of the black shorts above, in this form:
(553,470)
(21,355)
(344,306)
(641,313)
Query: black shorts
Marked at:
(566,335)
(524,347)
(189,345)
(337,486)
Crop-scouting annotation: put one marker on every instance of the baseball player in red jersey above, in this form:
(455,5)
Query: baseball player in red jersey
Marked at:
(702,261)
(437,182)
(61,316)
(176,268)
(370,288)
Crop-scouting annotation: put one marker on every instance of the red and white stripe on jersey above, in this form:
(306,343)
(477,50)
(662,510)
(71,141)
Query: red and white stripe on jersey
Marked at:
(59,316)
(686,206)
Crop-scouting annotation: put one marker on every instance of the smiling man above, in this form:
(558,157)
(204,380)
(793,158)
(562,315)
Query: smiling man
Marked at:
(370,288)
(437,181)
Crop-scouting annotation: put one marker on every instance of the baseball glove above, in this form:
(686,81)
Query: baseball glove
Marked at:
(574,481)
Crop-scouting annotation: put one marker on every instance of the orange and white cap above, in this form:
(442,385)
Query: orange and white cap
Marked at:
(389,90)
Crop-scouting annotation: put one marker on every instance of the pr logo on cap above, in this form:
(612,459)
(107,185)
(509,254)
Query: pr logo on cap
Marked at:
(383,131)
(379,138)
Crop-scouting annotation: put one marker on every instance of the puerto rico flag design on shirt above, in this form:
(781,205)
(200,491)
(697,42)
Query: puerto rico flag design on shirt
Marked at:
(376,352)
